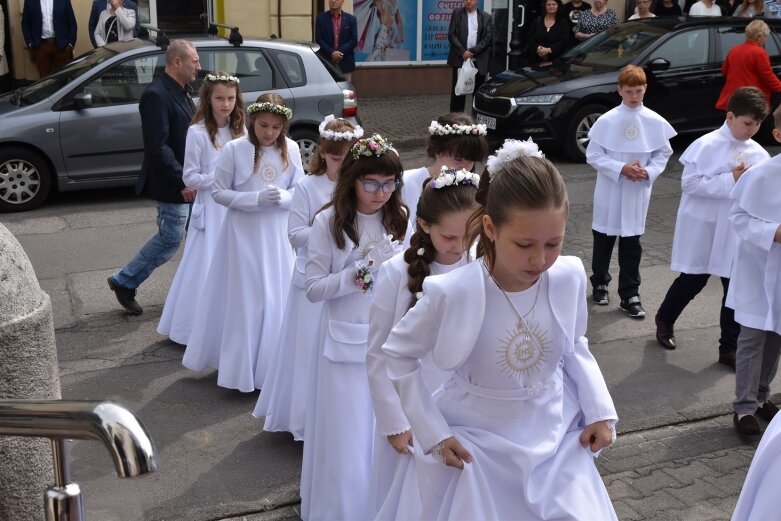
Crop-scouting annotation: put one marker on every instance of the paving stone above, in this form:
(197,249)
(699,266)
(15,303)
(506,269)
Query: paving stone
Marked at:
(730,483)
(688,472)
(656,505)
(625,512)
(657,479)
(729,460)
(696,492)
(622,488)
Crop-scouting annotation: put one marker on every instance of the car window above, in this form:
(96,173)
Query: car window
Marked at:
(614,48)
(292,67)
(684,49)
(249,65)
(125,82)
(729,37)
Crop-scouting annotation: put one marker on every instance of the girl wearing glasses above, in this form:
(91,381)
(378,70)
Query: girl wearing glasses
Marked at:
(439,245)
(283,401)
(237,320)
(360,229)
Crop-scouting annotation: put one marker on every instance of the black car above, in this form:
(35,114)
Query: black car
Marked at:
(557,105)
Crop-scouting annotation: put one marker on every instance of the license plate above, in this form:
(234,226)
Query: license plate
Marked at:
(488,121)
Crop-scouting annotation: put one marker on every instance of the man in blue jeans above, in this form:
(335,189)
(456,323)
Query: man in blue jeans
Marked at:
(166,111)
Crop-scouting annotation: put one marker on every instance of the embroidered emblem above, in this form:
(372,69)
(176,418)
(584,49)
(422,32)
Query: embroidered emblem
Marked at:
(268,172)
(631,131)
(523,350)
(740,159)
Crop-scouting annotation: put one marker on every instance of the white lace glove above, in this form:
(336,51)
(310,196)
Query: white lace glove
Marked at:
(269,196)
(382,251)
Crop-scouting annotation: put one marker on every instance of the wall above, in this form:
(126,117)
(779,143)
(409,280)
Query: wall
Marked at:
(296,17)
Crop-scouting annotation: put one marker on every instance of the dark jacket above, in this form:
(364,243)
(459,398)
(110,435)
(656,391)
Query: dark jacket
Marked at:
(348,39)
(99,6)
(457,34)
(558,38)
(63,22)
(165,118)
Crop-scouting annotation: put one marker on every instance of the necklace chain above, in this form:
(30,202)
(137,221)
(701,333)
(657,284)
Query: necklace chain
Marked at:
(509,301)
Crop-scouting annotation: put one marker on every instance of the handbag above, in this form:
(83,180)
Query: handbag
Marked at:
(466,79)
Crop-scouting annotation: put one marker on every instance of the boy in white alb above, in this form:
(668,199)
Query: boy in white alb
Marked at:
(755,291)
(629,147)
(704,241)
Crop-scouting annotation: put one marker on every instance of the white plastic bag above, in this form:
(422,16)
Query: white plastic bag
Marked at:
(466,79)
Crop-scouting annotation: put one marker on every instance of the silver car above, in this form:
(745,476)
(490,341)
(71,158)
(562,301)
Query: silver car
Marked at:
(80,128)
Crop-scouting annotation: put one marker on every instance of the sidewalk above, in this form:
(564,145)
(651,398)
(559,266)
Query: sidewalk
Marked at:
(403,119)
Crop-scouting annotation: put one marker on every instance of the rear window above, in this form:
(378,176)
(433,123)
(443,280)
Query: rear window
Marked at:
(335,73)
(729,37)
(291,66)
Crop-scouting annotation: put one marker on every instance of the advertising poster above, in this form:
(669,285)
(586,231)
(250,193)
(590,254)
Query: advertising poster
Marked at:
(387,30)
(436,20)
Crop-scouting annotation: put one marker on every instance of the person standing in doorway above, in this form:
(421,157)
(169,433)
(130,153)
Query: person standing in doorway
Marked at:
(98,6)
(5,77)
(166,111)
(336,32)
(470,35)
(49,30)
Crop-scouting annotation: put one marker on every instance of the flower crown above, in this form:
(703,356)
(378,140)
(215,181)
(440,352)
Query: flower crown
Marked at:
(375,145)
(457,129)
(511,150)
(333,135)
(452,177)
(211,78)
(267,106)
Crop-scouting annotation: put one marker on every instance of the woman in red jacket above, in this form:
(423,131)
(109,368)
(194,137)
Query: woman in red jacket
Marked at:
(748,65)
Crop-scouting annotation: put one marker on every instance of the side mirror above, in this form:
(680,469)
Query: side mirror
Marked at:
(82,100)
(658,64)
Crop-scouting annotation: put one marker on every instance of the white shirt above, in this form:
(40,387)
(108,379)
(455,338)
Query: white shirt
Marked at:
(471,39)
(47,10)
(699,9)
(637,16)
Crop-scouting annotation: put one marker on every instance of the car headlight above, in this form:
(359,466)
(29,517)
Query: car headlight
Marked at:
(541,99)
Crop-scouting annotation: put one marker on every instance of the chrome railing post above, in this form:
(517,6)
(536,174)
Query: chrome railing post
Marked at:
(62,501)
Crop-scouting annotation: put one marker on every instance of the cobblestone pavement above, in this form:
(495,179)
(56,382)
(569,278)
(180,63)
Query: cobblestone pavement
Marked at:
(381,115)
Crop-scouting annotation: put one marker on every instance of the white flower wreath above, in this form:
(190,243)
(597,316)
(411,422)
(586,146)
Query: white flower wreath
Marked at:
(267,106)
(451,177)
(511,150)
(457,129)
(211,78)
(333,135)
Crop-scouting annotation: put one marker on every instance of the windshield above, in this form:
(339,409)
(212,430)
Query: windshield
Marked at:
(47,86)
(616,47)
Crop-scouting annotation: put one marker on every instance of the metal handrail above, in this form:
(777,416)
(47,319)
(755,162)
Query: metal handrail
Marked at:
(118,429)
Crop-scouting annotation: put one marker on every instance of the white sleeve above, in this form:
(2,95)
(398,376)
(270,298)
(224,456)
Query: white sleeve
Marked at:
(387,406)
(718,186)
(299,219)
(751,229)
(192,173)
(222,190)
(320,283)
(294,162)
(597,156)
(658,161)
(411,339)
(100,39)
(126,18)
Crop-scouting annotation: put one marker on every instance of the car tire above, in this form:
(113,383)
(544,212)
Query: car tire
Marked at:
(307,143)
(577,134)
(25,180)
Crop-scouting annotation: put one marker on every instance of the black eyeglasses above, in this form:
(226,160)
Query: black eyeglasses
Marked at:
(387,187)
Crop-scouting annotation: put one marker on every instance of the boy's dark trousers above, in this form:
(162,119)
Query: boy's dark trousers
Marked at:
(629,253)
(683,290)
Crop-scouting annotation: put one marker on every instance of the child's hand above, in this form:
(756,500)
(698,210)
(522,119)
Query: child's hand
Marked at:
(597,436)
(452,453)
(738,171)
(634,172)
(401,442)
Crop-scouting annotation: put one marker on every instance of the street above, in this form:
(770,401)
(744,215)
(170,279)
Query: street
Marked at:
(677,456)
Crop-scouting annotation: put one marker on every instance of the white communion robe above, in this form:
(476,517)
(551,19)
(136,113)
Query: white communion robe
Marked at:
(620,136)
(704,241)
(389,306)
(410,192)
(755,287)
(237,320)
(206,216)
(283,401)
(518,410)
(758,499)
(339,430)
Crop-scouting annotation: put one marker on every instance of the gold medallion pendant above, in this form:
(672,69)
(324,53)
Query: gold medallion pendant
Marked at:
(523,350)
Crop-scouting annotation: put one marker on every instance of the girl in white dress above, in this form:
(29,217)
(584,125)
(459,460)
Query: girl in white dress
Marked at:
(513,432)
(454,141)
(237,319)
(438,246)
(219,119)
(283,400)
(350,239)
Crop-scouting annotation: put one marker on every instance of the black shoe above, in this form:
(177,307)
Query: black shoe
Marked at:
(767,411)
(633,307)
(664,333)
(747,425)
(126,297)
(600,295)
(727,358)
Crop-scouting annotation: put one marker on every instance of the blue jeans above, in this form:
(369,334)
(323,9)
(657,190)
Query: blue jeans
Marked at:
(171,222)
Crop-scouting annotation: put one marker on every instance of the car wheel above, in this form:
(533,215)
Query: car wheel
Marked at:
(577,135)
(307,143)
(25,180)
